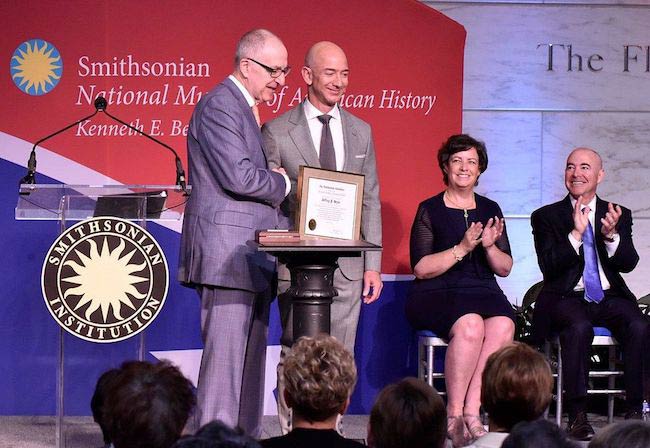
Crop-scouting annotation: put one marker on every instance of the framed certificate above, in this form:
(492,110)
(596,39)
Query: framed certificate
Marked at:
(330,203)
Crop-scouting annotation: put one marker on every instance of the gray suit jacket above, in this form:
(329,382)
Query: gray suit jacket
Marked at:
(233,194)
(288,144)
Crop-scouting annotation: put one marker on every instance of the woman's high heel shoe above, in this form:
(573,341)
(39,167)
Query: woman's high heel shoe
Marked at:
(474,426)
(457,431)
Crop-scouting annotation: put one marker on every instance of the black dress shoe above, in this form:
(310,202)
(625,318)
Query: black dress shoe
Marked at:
(633,415)
(579,428)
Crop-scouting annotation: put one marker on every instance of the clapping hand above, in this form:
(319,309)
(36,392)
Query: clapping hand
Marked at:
(580,218)
(472,237)
(492,231)
(610,220)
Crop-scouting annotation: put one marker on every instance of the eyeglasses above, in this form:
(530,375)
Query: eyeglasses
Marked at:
(274,72)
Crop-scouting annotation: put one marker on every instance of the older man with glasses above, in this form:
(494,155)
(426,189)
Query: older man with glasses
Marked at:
(234,193)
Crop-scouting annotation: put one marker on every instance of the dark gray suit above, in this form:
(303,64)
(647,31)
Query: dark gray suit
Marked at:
(288,144)
(233,195)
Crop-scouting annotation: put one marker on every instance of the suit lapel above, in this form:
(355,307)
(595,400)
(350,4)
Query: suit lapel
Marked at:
(567,213)
(350,140)
(301,137)
(601,210)
(246,109)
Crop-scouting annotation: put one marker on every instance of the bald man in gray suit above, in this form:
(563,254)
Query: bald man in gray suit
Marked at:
(295,139)
(234,194)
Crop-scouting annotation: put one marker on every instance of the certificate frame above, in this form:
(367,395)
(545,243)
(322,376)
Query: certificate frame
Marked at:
(350,188)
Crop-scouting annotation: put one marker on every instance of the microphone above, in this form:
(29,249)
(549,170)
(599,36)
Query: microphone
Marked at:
(100,103)
(100,106)
(30,177)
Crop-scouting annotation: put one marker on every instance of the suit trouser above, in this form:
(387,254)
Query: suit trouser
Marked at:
(574,318)
(343,321)
(234,327)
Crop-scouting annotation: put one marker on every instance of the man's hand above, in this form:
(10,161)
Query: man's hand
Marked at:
(610,220)
(279,170)
(580,219)
(372,286)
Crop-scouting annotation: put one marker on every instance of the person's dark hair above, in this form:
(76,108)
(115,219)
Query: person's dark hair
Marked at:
(537,434)
(628,434)
(319,375)
(458,143)
(147,405)
(408,414)
(517,385)
(98,399)
(217,434)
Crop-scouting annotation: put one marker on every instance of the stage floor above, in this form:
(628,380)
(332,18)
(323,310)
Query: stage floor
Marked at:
(82,432)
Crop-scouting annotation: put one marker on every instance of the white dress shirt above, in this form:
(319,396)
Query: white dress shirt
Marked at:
(336,128)
(611,246)
(249,98)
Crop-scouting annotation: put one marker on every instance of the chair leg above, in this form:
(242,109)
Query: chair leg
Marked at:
(559,385)
(611,382)
(547,352)
(430,359)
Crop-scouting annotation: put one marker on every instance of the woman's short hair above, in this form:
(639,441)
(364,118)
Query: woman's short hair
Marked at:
(147,405)
(217,434)
(408,414)
(319,375)
(628,434)
(537,434)
(517,385)
(458,143)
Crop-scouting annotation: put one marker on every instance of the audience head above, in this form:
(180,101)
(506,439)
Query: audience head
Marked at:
(147,405)
(99,398)
(537,434)
(460,143)
(217,435)
(517,386)
(319,375)
(408,414)
(628,434)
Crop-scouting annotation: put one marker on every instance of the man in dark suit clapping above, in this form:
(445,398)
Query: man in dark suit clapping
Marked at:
(583,245)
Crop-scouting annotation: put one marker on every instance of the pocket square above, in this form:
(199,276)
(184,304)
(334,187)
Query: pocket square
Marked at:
(360,156)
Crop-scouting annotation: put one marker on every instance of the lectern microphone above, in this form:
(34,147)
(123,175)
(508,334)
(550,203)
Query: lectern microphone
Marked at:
(100,103)
(30,177)
(100,106)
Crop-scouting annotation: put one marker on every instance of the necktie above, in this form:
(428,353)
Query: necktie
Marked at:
(590,275)
(327,156)
(256,114)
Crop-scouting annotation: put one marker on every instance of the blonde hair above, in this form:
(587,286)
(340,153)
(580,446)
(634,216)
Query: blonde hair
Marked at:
(319,375)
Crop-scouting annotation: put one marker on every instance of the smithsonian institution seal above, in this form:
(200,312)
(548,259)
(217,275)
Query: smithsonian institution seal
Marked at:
(105,279)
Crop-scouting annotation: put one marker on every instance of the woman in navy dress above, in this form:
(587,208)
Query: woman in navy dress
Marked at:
(458,244)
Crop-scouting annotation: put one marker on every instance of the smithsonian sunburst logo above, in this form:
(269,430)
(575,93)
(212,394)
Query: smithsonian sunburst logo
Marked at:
(36,67)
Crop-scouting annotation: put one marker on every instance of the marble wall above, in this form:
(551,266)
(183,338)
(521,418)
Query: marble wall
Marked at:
(531,112)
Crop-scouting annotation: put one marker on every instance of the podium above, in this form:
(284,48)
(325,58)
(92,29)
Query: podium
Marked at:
(68,204)
(312,262)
